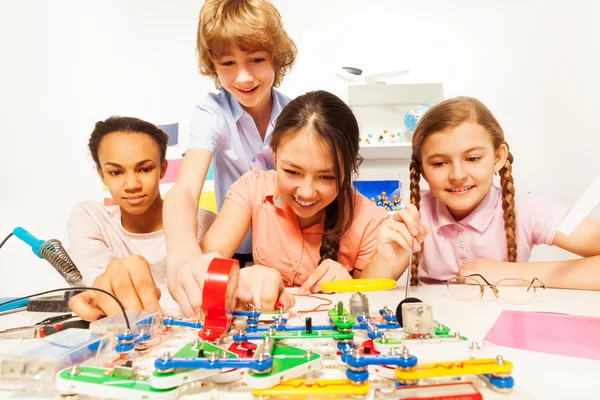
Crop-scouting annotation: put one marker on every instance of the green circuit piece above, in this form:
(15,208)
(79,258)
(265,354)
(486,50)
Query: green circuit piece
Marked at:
(286,357)
(283,335)
(440,329)
(341,320)
(98,376)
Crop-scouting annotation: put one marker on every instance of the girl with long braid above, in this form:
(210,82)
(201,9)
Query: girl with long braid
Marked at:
(465,224)
(308,223)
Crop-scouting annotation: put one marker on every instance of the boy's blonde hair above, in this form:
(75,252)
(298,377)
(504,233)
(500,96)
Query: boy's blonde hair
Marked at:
(247,24)
(448,115)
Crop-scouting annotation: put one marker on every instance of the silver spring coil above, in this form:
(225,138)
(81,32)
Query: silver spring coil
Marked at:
(53,251)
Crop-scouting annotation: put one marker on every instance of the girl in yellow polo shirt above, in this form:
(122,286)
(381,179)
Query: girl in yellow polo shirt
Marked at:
(308,222)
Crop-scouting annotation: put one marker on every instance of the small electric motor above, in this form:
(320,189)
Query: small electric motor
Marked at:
(417,319)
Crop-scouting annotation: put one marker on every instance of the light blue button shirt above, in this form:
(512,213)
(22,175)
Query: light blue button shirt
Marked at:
(221,126)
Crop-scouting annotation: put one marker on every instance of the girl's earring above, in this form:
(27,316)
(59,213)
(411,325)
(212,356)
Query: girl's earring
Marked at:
(495,172)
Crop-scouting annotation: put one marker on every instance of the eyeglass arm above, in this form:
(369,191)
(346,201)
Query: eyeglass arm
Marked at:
(533,281)
(481,276)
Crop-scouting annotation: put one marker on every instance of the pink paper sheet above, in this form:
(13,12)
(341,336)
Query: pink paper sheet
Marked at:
(567,335)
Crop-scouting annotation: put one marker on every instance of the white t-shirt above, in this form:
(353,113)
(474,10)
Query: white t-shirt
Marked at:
(96,237)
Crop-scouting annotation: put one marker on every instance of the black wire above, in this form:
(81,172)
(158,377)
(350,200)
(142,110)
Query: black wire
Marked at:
(70,290)
(5,239)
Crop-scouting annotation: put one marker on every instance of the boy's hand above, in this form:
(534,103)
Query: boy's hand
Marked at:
(129,280)
(266,287)
(327,271)
(187,282)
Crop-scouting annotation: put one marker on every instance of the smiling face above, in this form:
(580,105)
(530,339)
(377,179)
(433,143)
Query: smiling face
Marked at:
(459,164)
(248,76)
(306,176)
(129,165)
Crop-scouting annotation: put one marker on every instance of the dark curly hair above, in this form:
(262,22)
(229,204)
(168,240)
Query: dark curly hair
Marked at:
(126,125)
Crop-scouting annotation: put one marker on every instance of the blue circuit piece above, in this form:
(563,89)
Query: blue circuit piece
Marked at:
(126,343)
(254,314)
(501,383)
(279,328)
(345,347)
(247,336)
(124,348)
(374,335)
(252,324)
(126,338)
(388,315)
(388,326)
(363,323)
(258,333)
(257,329)
(260,366)
(129,341)
(388,359)
(143,338)
(189,324)
(357,376)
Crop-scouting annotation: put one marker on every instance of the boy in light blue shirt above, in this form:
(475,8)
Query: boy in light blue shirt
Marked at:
(221,125)
(242,45)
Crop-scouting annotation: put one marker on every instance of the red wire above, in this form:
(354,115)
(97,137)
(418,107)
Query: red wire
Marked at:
(317,308)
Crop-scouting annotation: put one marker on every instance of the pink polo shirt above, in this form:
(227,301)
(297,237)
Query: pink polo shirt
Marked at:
(451,244)
(278,241)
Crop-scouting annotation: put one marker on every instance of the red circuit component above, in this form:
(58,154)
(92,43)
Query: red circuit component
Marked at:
(244,349)
(444,391)
(218,297)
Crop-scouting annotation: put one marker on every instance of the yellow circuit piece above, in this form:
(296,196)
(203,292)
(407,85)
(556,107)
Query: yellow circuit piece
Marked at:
(455,368)
(315,387)
(358,285)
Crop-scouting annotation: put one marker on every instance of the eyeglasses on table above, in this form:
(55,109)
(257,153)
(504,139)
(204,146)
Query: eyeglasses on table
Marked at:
(509,290)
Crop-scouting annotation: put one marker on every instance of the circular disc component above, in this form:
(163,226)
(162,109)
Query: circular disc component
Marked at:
(358,285)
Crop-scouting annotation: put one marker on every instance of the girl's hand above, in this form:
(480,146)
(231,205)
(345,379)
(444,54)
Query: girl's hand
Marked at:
(328,271)
(266,286)
(129,280)
(397,233)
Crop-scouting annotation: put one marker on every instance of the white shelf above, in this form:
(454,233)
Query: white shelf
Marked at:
(386,151)
(380,111)
(407,94)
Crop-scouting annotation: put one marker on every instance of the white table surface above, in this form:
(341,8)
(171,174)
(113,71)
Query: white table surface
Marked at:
(537,375)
